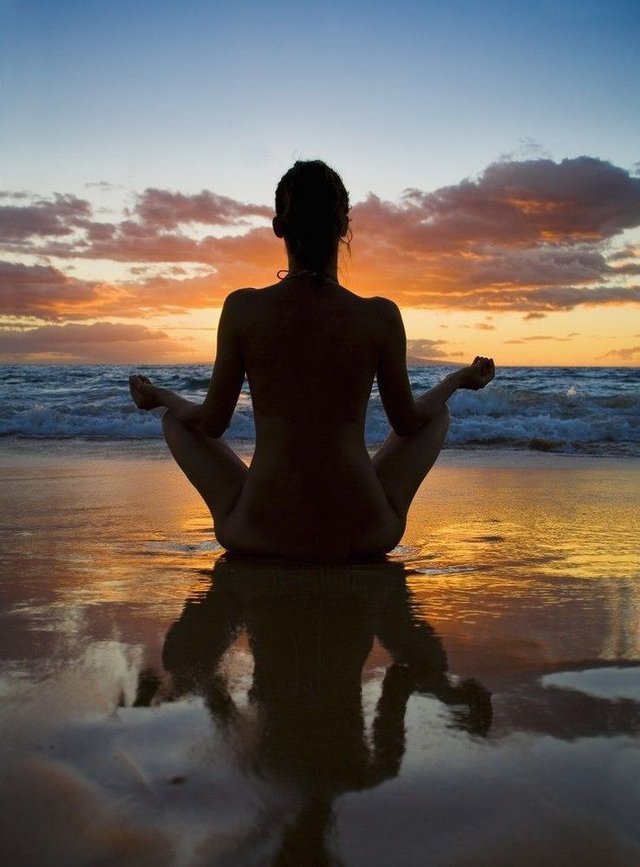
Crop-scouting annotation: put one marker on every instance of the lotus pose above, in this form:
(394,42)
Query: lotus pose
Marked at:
(310,349)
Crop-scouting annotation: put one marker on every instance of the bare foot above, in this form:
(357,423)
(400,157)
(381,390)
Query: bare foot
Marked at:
(143,392)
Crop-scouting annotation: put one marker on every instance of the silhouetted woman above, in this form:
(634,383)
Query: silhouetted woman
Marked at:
(310,349)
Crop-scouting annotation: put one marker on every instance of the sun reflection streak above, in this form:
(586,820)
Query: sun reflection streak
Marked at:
(533,539)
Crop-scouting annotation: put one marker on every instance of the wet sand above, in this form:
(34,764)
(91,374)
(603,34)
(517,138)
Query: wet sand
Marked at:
(474,701)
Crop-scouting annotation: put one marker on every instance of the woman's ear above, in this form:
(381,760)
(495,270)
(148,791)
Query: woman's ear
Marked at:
(277,227)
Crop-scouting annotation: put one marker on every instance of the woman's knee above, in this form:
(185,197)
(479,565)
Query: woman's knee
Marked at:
(168,419)
(433,434)
(440,422)
(176,434)
(444,415)
(171,425)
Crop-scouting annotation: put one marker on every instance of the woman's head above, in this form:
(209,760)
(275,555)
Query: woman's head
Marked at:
(312,213)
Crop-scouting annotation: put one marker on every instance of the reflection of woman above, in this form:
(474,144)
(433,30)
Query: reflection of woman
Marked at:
(310,633)
(310,349)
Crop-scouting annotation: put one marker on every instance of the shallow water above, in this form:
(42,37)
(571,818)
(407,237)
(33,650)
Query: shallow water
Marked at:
(474,701)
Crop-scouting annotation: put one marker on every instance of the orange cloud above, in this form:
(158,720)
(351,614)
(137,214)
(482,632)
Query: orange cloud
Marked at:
(523,203)
(525,236)
(543,337)
(47,293)
(531,236)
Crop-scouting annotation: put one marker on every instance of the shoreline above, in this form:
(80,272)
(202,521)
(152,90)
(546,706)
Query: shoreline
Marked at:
(12,448)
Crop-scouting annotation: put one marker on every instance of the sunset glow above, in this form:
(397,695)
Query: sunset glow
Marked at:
(119,240)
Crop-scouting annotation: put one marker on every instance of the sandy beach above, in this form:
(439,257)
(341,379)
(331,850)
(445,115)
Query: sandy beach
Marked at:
(318,230)
(474,701)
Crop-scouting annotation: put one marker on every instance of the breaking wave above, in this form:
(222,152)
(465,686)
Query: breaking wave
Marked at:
(571,410)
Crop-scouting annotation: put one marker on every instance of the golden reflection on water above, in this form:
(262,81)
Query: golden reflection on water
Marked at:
(560,520)
(254,705)
(546,553)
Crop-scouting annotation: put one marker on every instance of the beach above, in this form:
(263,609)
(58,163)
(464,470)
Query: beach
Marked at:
(406,227)
(476,700)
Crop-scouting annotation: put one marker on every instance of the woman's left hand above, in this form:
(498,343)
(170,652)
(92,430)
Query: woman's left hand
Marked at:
(143,392)
(478,374)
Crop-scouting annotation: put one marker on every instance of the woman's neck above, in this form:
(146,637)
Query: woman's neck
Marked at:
(328,269)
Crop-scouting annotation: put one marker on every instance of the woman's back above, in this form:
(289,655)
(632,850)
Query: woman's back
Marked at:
(310,351)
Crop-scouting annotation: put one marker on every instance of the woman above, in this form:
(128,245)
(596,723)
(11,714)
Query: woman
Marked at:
(310,349)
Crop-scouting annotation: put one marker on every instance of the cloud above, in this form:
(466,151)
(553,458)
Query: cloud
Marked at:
(105,186)
(102,341)
(626,252)
(43,218)
(569,297)
(630,353)
(545,337)
(540,337)
(48,293)
(14,194)
(424,352)
(520,227)
(533,236)
(527,147)
(529,316)
(133,242)
(531,201)
(631,268)
(168,210)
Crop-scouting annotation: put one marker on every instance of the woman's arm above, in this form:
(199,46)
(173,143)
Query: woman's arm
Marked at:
(212,416)
(406,414)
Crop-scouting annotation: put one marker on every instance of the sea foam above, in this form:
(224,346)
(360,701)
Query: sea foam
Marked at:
(573,410)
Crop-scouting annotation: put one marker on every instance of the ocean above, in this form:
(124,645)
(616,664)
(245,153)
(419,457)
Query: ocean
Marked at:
(571,410)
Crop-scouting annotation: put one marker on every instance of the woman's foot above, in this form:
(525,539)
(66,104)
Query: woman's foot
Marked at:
(143,392)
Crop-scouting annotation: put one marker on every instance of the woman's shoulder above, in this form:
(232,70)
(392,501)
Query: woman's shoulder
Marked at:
(250,294)
(383,306)
(376,317)
(240,302)
(238,296)
(374,303)
(378,307)
(383,310)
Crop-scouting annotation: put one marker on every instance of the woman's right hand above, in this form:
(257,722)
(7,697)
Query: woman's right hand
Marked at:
(478,374)
(143,392)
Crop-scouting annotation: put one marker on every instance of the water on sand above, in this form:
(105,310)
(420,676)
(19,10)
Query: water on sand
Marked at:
(475,700)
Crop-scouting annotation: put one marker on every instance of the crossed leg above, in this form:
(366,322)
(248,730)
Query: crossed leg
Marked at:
(401,463)
(212,467)
(218,474)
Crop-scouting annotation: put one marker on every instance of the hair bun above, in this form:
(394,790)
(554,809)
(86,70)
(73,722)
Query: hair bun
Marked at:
(313,207)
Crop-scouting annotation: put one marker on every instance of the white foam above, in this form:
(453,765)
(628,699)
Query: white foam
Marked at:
(565,410)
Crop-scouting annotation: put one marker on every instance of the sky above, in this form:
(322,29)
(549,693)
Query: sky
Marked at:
(490,150)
